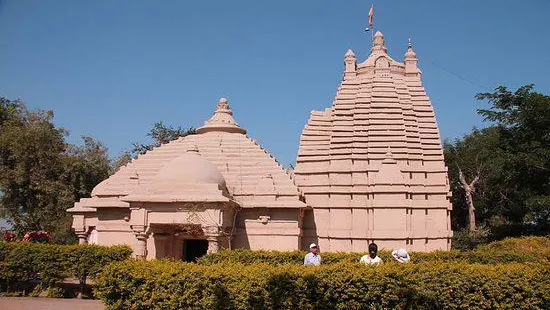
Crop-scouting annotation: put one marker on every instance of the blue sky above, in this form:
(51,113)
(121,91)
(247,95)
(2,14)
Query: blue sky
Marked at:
(110,69)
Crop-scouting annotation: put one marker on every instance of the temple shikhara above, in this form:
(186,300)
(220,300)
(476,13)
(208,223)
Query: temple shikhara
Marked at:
(369,169)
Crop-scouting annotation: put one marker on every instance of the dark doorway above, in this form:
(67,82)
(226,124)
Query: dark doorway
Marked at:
(193,249)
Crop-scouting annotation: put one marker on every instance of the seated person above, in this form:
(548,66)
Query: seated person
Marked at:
(372,258)
(312,258)
(401,255)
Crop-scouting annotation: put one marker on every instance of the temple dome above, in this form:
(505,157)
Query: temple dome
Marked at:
(191,168)
(218,163)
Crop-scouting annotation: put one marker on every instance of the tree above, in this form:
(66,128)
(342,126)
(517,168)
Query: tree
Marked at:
(469,190)
(475,157)
(85,166)
(161,134)
(40,174)
(523,120)
(513,188)
(29,156)
(119,162)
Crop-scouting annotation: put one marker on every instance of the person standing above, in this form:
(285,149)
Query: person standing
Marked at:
(372,258)
(312,258)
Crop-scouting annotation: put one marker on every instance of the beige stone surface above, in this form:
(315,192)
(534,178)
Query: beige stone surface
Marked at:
(371,166)
(218,185)
(369,169)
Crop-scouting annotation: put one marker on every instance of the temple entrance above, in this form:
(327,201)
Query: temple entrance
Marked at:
(193,249)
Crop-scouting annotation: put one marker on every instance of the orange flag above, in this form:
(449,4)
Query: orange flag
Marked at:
(371,13)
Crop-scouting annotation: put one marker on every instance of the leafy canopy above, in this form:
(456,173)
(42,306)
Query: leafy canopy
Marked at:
(513,157)
(41,175)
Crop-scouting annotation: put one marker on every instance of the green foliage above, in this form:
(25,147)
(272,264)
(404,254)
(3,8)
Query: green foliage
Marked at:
(161,134)
(512,157)
(24,262)
(40,174)
(518,250)
(119,162)
(464,239)
(453,285)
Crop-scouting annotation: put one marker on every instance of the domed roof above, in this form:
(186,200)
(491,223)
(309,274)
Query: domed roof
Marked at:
(191,168)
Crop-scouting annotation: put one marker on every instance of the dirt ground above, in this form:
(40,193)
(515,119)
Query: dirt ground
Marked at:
(27,303)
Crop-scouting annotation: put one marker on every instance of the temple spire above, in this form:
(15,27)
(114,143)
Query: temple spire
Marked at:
(222,120)
(378,43)
(411,62)
(410,54)
(350,62)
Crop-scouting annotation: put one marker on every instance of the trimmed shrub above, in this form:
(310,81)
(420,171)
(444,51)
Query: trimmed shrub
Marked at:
(24,263)
(465,240)
(453,285)
(519,250)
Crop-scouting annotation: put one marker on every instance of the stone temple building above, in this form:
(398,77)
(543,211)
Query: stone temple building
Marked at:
(369,169)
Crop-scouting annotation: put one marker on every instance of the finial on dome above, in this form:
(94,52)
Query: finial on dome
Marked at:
(350,53)
(222,120)
(223,106)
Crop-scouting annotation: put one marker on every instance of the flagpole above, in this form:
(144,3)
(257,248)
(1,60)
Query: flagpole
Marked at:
(372,27)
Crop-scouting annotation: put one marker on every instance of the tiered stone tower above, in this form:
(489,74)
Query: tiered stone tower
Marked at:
(371,166)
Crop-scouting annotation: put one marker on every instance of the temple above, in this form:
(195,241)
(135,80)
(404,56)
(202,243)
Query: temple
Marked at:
(369,169)
(371,166)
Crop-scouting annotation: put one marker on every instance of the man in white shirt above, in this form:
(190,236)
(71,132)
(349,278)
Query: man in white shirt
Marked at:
(312,258)
(372,258)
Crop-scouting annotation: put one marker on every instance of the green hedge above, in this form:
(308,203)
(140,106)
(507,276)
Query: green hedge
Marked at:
(519,250)
(22,263)
(452,285)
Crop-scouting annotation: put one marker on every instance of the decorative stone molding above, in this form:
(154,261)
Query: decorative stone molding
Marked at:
(211,231)
(82,236)
(264,219)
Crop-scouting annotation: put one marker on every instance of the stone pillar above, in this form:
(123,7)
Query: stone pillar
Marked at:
(212,234)
(141,233)
(82,237)
(213,245)
(161,240)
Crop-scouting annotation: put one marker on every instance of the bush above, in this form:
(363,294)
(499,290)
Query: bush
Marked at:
(519,250)
(466,240)
(24,263)
(453,285)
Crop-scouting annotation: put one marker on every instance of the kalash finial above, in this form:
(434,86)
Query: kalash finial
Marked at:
(410,54)
(222,120)
(223,104)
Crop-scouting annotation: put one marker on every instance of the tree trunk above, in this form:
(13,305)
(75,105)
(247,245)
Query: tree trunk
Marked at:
(469,189)
(471,211)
